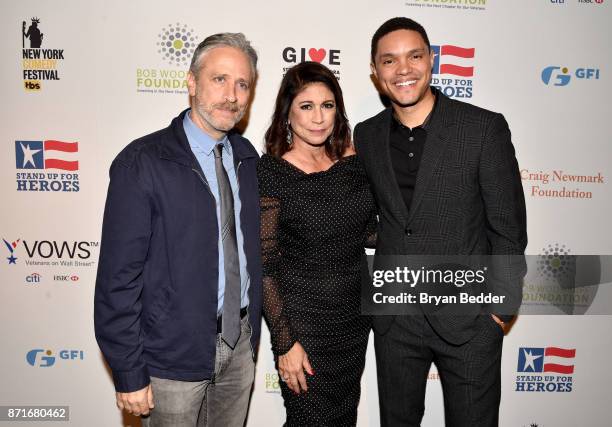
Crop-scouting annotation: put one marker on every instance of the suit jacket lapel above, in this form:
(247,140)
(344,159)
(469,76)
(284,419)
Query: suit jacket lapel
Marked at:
(385,167)
(437,138)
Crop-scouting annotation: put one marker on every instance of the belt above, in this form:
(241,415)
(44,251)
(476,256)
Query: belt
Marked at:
(243,312)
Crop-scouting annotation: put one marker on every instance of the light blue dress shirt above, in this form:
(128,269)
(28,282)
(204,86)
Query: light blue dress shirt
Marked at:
(202,146)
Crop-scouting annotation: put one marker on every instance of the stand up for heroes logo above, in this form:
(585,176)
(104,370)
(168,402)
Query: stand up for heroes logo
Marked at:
(45,155)
(545,369)
(451,60)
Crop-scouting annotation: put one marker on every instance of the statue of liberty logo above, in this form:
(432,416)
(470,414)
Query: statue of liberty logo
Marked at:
(33,34)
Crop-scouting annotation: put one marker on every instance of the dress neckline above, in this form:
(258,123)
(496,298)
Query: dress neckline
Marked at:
(294,167)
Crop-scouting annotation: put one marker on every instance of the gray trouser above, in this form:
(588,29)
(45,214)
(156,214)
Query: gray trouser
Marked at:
(222,401)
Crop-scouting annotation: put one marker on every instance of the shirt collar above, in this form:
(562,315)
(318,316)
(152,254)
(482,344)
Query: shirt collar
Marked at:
(200,141)
(398,124)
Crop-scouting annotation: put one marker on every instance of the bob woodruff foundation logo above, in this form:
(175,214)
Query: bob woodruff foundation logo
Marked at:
(556,262)
(559,282)
(175,46)
(458,5)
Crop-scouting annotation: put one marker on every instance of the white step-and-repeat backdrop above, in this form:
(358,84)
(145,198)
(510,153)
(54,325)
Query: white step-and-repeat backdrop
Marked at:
(80,80)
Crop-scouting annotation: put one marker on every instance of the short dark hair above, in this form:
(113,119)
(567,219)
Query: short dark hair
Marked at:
(394,24)
(296,79)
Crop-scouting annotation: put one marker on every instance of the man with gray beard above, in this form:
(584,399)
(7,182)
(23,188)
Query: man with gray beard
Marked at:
(178,293)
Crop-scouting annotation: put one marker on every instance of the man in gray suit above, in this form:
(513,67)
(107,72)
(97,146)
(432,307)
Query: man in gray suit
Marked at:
(446,182)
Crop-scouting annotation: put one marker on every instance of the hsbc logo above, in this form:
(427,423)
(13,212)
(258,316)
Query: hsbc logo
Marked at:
(66,278)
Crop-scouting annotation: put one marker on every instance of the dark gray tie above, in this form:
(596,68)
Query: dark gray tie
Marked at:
(230,322)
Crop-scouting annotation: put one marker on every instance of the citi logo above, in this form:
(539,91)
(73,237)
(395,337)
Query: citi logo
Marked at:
(293,55)
(33,278)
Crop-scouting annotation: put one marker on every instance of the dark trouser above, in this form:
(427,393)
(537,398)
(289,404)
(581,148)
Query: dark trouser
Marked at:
(470,373)
(219,403)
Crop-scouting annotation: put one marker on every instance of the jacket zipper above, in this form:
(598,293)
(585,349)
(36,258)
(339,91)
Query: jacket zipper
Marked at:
(205,183)
(237,176)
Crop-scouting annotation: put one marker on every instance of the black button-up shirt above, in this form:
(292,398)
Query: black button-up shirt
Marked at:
(406,149)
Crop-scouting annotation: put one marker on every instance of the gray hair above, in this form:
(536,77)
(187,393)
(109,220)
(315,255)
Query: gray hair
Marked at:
(237,40)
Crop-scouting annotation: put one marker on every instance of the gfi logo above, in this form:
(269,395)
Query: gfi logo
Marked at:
(41,358)
(560,76)
(45,359)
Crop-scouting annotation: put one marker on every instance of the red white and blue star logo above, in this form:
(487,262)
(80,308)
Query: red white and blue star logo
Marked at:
(48,154)
(11,247)
(546,359)
(452,59)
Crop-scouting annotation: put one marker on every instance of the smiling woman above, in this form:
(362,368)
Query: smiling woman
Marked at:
(309,92)
(317,214)
(312,114)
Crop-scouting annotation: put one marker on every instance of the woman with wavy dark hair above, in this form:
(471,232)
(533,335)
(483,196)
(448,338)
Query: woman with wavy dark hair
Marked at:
(317,214)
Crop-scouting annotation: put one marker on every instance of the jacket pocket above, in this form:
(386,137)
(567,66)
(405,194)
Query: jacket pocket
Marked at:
(159,309)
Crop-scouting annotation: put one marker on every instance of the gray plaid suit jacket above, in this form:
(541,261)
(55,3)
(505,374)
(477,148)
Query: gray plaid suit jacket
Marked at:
(468,199)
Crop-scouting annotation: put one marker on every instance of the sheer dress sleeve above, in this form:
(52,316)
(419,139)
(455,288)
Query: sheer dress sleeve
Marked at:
(273,306)
(371,230)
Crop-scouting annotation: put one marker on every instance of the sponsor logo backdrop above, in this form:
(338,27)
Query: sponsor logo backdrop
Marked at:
(81,80)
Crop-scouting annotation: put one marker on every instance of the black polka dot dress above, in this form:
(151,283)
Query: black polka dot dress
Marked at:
(314,228)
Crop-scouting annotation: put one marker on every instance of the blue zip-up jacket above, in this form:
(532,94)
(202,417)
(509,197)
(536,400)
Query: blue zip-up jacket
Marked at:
(155,308)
